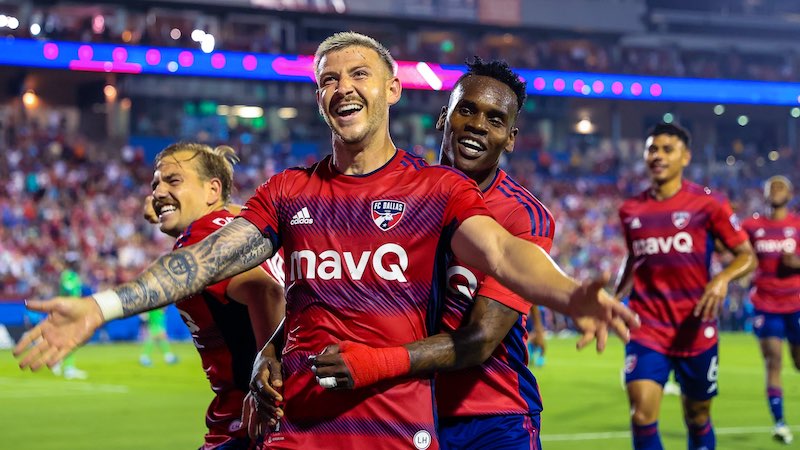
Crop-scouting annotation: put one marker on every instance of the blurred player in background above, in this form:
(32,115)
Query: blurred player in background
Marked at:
(231,319)
(537,340)
(350,279)
(670,231)
(155,323)
(70,285)
(776,290)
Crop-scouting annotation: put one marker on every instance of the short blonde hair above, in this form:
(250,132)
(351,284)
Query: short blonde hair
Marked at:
(779,179)
(211,163)
(346,39)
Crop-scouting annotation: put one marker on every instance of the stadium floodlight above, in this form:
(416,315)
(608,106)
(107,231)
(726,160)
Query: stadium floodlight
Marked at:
(584,126)
(35,29)
(3,20)
(248,112)
(795,112)
(197,35)
(287,113)
(175,33)
(773,155)
(719,110)
(13,23)
(668,118)
(207,43)
(743,120)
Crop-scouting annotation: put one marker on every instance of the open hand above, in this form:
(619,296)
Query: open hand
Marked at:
(69,323)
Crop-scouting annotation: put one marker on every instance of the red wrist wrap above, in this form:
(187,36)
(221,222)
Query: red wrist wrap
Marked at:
(370,365)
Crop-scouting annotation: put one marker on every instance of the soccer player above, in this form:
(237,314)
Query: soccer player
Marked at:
(71,286)
(537,343)
(670,230)
(229,320)
(349,277)
(495,404)
(156,322)
(776,290)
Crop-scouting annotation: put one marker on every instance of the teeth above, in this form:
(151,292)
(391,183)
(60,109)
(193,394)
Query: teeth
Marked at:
(472,144)
(168,209)
(348,108)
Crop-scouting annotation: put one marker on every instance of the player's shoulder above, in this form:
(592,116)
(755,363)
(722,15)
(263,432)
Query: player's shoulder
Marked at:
(204,226)
(752,221)
(635,201)
(704,192)
(516,195)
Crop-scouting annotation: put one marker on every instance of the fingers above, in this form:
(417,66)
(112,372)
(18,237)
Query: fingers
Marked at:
(711,308)
(698,308)
(630,318)
(27,339)
(41,306)
(341,382)
(276,377)
(620,329)
(586,337)
(602,338)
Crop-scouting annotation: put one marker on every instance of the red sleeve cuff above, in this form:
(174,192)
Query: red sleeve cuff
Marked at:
(492,289)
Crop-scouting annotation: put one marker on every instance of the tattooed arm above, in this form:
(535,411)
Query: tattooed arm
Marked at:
(234,248)
(231,250)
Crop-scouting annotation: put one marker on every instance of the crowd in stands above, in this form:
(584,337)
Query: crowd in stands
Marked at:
(62,195)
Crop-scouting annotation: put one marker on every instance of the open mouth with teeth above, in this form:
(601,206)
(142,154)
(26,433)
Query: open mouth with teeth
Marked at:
(470,148)
(349,109)
(165,211)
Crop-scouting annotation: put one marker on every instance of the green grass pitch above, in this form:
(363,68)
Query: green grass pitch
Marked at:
(125,406)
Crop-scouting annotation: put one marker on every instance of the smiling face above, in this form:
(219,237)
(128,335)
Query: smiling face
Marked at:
(355,90)
(180,196)
(666,156)
(478,125)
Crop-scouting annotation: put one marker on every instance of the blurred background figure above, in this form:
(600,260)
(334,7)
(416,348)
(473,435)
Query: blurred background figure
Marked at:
(155,334)
(70,286)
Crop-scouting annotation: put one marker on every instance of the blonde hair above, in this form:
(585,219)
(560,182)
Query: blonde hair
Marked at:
(346,39)
(210,163)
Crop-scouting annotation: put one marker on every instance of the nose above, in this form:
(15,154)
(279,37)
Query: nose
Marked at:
(160,191)
(477,124)
(344,86)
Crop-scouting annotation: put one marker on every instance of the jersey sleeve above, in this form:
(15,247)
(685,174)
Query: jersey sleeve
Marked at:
(262,209)
(725,225)
(465,200)
(534,225)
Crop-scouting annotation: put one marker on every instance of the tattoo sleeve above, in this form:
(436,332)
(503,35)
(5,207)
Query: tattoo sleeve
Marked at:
(233,249)
(470,345)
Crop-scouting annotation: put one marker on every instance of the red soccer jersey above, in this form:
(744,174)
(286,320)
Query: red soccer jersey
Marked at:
(223,335)
(776,288)
(671,243)
(503,384)
(364,258)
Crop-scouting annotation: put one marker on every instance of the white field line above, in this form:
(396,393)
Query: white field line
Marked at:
(16,388)
(627,434)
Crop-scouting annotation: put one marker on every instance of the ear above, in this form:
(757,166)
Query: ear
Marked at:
(512,138)
(687,157)
(394,89)
(214,191)
(442,119)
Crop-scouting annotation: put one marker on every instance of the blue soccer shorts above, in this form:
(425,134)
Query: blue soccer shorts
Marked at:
(697,375)
(781,326)
(503,432)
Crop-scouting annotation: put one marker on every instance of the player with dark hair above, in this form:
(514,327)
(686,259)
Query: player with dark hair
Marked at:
(349,279)
(776,291)
(670,230)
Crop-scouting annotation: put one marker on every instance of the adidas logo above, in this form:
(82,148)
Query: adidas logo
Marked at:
(302,217)
(636,223)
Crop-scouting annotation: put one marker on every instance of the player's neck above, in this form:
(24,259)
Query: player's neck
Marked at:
(778,213)
(363,157)
(483,179)
(666,190)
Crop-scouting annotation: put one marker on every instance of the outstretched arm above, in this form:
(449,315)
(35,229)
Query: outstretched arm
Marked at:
(235,248)
(527,270)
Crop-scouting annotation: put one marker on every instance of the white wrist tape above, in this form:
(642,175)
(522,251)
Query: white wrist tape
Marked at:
(110,305)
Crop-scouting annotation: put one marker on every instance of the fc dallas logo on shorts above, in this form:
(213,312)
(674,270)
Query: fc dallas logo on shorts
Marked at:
(630,363)
(680,219)
(387,213)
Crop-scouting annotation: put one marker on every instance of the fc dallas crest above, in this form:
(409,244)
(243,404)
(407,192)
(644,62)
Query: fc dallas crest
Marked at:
(680,219)
(387,213)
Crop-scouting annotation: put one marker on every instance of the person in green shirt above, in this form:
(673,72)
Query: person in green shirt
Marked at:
(156,334)
(70,286)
